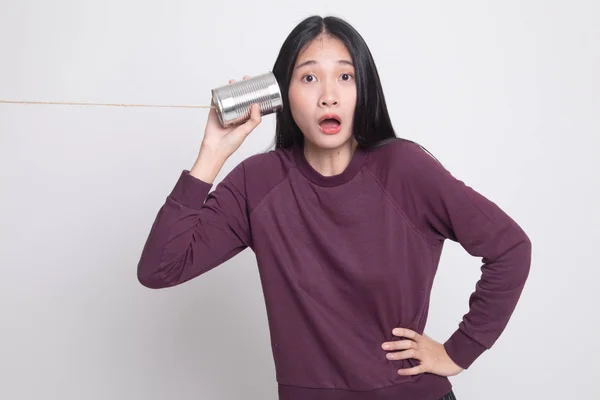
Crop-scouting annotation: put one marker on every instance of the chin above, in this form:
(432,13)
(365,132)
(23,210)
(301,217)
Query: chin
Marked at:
(329,141)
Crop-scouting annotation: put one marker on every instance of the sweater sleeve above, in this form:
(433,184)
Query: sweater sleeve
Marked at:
(446,208)
(195,231)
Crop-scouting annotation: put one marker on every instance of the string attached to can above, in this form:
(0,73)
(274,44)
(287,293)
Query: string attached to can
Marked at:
(100,104)
(232,102)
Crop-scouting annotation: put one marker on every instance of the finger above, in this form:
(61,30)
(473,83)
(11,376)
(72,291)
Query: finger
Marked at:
(403,355)
(255,116)
(407,333)
(231,81)
(251,123)
(412,371)
(399,345)
(246,77)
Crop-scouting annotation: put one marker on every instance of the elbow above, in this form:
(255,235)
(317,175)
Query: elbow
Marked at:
(513,261)
(158,276)
(154,273)
(521,258)
(150,277)
(527,241)
(526,248)
(150,282)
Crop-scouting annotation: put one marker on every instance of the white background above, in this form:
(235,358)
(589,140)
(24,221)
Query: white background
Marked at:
(504,93)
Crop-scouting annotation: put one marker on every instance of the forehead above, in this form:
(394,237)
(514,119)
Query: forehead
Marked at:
(324,48)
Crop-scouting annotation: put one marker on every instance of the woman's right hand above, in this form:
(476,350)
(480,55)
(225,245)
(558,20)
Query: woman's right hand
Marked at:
(226,141)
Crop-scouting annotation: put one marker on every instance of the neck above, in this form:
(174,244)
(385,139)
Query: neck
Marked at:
(329,162)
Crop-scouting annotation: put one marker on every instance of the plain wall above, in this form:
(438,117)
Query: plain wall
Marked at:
(504,93)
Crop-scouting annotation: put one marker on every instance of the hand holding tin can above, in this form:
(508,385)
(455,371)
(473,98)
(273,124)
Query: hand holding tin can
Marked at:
(226,140)
(233,101)
(236,110)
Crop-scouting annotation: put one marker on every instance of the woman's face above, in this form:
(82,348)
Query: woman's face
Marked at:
(323,83)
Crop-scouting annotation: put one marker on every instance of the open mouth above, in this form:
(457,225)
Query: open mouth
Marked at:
(330,123)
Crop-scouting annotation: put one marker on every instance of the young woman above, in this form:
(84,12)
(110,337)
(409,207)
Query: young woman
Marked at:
(347,222)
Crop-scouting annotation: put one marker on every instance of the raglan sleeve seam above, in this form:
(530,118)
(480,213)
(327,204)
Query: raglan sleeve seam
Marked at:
(430,239)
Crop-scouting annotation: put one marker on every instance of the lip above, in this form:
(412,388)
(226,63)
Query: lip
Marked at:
(331,131)
(330,116)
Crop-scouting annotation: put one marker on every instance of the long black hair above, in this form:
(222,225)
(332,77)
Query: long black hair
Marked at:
(372,126)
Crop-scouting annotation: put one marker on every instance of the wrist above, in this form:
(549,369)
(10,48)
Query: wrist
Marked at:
(463,350)
(208,164)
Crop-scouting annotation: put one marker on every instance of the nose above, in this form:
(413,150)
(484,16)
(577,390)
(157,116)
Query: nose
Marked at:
(329,102)
(329,96)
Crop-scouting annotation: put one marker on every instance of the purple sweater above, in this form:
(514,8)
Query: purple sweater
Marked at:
(343,260)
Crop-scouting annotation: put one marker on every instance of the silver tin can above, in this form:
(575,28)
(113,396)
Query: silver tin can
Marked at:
(233,101)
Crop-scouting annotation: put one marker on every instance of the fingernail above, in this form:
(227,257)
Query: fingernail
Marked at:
(396,331)
(386,346)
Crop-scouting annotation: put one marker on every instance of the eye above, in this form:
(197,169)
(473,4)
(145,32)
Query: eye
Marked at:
(312,78)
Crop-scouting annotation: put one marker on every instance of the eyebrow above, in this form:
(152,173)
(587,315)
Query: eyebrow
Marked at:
(312,62)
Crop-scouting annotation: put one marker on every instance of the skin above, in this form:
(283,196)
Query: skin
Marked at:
(219,143)
(323,82)
(431,354)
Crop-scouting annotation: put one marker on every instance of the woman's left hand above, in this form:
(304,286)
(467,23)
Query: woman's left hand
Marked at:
(431,354)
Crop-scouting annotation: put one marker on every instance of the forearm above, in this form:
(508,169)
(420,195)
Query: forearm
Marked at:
(494,299)
(208,164)
(195,230)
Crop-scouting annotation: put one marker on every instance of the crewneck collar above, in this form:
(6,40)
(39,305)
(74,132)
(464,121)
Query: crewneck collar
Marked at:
(356,163)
